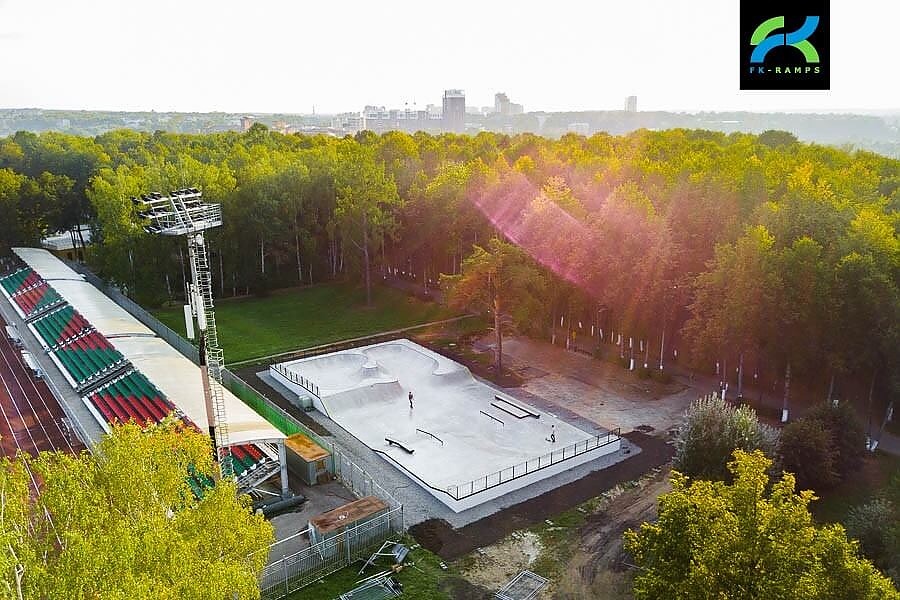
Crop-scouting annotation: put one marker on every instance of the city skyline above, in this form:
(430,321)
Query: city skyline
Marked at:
(286,58)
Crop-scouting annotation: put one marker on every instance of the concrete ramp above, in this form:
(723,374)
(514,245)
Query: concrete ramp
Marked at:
(369,397)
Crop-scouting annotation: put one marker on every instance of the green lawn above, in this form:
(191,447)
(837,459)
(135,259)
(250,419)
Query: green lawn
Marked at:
(421,578)
(868,481)
(303,317)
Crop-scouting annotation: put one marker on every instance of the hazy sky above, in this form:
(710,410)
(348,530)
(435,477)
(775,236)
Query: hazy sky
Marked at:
(268,56)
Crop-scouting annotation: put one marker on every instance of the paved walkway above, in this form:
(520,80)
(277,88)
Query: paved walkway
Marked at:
(597,391)
(889,443)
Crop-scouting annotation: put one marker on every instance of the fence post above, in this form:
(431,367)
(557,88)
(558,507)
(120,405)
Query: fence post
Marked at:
(284,575)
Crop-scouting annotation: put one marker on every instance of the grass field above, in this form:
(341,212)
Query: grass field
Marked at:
(865,484)
(303,317)
(421,579)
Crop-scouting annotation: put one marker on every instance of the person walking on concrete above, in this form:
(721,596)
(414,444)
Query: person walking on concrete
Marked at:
(553,434)
(410,401)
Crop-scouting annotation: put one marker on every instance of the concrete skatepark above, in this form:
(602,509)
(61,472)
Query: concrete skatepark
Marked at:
(463,441)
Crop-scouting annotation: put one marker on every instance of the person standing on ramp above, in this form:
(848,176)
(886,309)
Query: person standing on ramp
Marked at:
(410,401)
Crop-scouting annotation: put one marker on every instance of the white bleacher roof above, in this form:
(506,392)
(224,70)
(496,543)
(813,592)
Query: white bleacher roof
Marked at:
(46,264)
(179,379)
(175,376)
(106,316)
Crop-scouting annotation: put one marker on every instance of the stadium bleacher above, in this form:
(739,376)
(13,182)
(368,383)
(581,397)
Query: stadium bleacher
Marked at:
(89,357)
(20,280)
(60,326)
(132,397)
(108,377)
(35,300)
(31,294)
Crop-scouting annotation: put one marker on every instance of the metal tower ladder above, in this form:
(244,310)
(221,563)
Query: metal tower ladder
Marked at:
(215,360)
(183,213)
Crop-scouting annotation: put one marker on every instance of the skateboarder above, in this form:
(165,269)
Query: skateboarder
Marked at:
(410,401)
(552,438)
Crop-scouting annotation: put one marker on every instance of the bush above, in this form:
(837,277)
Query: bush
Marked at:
(806,449)
(848,435)
(877,527)
(710,433)
(824,446)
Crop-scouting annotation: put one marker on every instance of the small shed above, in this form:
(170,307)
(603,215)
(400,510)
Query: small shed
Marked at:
(308,459)
(336,521)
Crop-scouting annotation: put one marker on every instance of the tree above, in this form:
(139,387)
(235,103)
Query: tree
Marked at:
(847,434)
(876,525)
(747,540)
(364,212)
(710,433)
(806,448)
(124,523)
(775,138)
(733,300)
(823,447)
(500,280)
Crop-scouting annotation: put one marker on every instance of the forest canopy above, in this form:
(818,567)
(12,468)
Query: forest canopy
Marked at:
(760,251)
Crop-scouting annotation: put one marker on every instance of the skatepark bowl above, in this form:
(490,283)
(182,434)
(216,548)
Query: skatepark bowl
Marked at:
(462,440)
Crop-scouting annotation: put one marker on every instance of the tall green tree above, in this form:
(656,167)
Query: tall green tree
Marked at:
(123,523)
(746,540)
(366,203)
(500,280)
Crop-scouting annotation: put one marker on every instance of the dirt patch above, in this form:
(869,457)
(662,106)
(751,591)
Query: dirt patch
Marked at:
(597,568)
(460,589)
(494,566)
(439,536)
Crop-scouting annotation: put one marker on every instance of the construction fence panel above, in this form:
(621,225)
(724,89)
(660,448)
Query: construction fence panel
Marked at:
(311,564)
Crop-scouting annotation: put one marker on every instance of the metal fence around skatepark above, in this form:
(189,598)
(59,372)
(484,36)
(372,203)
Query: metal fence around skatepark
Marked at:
(492,480)
(298,379)
(357,479)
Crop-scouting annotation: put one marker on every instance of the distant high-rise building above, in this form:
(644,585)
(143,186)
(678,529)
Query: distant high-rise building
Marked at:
(631,104)
(352,122)
(454,114)
(501,103)
(503,106)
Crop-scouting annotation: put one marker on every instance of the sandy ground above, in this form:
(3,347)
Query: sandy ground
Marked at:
(596,570)
(601,392)
(492,567)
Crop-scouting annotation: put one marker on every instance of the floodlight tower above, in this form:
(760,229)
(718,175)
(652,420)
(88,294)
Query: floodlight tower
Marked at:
(183,213)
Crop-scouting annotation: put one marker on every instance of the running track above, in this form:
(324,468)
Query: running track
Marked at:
(30,417)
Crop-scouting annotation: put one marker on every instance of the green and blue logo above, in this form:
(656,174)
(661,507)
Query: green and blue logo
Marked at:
(785,46)
(765,41)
